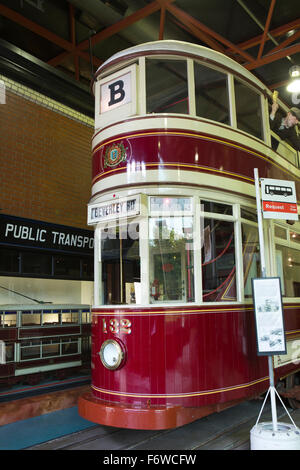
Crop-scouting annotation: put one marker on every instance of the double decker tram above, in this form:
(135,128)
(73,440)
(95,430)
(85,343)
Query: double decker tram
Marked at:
(179,129)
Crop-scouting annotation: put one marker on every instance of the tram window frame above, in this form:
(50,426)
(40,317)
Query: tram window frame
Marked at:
(166,109)
(216,216)
(217,70)
(284,249)
(254,91)
(126,292)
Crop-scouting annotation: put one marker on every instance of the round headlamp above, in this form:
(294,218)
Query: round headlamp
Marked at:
(111,354)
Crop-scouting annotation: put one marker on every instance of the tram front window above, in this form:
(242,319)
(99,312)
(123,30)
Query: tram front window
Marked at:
(218,261)
(166,86)
(211,94)
(121,265)
(248,109)
(171,259)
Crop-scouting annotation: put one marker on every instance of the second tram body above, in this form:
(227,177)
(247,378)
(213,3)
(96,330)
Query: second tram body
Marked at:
(179,129)
(38,341)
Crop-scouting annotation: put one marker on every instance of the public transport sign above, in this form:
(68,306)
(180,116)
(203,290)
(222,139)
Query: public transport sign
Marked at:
(279,199)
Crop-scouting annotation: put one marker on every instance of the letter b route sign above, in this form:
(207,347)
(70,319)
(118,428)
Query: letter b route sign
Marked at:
(115,93)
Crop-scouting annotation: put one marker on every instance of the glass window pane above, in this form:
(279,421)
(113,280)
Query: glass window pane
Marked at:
(295,237)
(211,94)
(218,261)
(10,319)
(70,317)
(9,352)
(36,263)
(288,269)
(9,260)
(248,109)
(50,350)
(249,214)
(70,347)
(31,319)
(251,257)
(121,265)
(87,268)
(67,266)
(170,204)
(51,318)
(171,259)
(166,86)
(280,232)
(217,207)
(30,352)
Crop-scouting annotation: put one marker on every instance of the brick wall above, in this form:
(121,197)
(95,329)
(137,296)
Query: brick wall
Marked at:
(45,158)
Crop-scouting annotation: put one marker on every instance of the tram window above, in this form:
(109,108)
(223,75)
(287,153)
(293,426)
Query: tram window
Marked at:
(121,265)
(31,319)
(217,207)
(36,263)
(251,257)
(248,214)
(10,319)
(248,109)
(295,237)
(70,317)
(9,260)
(288,269)
(211,93)
(171,259)
(51,318)
(218,261)
(9,352)
(50,349)
(30,350)
(70,346)
(166,86)
(280,232)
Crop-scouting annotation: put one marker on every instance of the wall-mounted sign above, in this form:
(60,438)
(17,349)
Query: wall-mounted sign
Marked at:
(16,231)
(279,200)
(270,331)
(114,209)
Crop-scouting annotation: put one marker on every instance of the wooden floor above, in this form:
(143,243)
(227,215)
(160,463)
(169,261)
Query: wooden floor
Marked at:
(227,430)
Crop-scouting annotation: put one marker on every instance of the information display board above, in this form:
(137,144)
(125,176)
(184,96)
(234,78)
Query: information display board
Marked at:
(270,330)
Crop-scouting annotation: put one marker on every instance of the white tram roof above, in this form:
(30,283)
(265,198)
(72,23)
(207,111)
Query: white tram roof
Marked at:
(178,48)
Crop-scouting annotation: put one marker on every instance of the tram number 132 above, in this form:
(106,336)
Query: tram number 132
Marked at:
(116,326)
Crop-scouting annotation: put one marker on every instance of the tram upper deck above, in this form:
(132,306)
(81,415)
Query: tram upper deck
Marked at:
(179,129)
(167,86)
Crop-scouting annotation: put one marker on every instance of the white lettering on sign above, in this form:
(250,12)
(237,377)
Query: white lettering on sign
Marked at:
(115,93)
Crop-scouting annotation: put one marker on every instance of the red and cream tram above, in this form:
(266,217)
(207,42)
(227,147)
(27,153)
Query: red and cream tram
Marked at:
(179,129)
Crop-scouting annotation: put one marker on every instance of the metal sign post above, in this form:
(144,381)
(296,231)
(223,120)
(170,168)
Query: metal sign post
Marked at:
(263,274)
(271,436)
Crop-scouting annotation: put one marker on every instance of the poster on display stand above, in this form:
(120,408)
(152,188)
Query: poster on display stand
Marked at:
(270,329)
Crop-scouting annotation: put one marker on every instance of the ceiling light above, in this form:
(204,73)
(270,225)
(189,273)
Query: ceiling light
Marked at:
(294,85)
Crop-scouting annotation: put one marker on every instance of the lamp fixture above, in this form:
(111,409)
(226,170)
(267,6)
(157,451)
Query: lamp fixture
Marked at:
(294,85)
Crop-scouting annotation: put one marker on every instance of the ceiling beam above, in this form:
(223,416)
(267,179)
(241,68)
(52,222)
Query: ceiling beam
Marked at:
(266,29)
(114,28)
(183,16)
(45,33)
(274,32)
(269,58)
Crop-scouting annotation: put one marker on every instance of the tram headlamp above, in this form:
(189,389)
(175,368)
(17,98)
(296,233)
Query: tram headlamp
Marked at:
(111,354)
